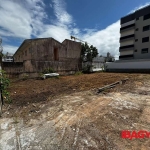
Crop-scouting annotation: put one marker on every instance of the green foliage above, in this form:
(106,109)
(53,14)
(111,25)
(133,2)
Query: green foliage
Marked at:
(5,84)
(87,69)
(48,70)
(88,52)
(87,55)
(78,73)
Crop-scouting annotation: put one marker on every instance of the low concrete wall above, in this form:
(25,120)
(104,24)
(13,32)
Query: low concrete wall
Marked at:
(129,66)
(13,69)
(32,68)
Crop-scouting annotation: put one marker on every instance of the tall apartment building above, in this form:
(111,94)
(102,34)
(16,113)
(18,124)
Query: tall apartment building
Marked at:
(135,35)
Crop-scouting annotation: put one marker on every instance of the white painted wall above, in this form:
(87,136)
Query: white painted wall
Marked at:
(129,65)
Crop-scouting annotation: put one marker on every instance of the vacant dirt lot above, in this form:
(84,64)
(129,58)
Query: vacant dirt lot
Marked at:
(67,113)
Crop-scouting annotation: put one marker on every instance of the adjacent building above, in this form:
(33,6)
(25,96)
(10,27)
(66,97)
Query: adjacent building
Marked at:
(8,57)
(37,55)
(135,35)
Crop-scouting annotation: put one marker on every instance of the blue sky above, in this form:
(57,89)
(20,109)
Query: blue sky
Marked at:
(96,21)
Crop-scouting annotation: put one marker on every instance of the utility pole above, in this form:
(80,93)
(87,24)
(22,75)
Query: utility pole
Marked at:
(1,98)
(1,49)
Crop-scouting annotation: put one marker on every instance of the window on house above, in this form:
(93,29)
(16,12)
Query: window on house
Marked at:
(146,17)
(146,39)
(136,40)
(137,29)
(56,54)
(30,50)
(146,28)
(144,50)
(135,50)
(26,53)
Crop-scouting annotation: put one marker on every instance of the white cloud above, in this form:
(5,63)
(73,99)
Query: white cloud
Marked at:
(21,19)
(9,48)
(15,20)
(60,12)
(58,33)
(106,40)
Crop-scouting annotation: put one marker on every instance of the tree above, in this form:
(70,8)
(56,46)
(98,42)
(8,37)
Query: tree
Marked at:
(87,55)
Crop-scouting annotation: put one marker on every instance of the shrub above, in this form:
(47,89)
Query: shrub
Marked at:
(78,73)
(5,84)
(48,70)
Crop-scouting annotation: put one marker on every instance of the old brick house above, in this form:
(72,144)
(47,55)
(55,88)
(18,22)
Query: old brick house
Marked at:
(42,53)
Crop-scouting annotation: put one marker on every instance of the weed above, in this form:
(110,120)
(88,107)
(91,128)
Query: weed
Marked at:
(78,73)
(5,82)
(48,70)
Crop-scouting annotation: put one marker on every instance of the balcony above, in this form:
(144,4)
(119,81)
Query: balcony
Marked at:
(126,56)
(128,27)
(128,37)
(126,47)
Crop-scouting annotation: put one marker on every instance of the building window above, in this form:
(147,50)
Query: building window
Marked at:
(144,50)
(56,54)
(136,40)
(30,50)
(146,17)
(137,29)
(146,39)
(146,28)
(135,50)
(26,53)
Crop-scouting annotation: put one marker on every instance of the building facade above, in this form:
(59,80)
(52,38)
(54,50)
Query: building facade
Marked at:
(37,55)
(135,35)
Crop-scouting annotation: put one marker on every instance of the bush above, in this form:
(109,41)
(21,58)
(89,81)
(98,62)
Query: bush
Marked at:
(5,84)
(48,70)
(78,73)
(87,69)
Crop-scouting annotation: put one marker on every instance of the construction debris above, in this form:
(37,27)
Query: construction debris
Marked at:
(111,85)
(50,75)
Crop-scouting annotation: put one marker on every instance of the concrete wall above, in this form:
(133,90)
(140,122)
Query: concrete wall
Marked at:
(13,68)
(135,65)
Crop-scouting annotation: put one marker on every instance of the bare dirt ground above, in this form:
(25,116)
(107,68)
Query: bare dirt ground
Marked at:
(67,113)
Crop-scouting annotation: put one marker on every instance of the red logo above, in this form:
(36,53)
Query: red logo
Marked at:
(135,134)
